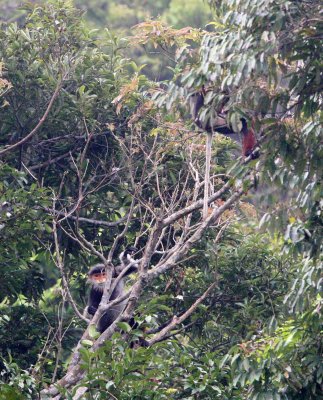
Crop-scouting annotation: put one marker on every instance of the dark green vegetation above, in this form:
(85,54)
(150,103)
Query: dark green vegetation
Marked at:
(94,156)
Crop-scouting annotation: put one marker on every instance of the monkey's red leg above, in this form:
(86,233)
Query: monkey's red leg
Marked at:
(249,142)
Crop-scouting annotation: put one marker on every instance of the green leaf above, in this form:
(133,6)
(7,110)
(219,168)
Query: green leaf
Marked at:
(87,343)
(124,326)
(94,334)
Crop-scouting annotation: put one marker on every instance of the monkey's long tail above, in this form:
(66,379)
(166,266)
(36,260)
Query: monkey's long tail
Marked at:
(208,152)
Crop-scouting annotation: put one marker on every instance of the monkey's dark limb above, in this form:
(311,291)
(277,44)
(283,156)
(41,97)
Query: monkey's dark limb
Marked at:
(208,152)
(92,310)
(94,300)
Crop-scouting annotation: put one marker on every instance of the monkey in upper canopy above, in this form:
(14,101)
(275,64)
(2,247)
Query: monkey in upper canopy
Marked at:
(220,125)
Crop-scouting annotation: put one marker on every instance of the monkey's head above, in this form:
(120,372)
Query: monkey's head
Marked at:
(97,275)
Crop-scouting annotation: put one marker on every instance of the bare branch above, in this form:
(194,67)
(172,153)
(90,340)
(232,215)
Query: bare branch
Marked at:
(88,220)
(189,242)
(196,205)
(49,161)
(208,152)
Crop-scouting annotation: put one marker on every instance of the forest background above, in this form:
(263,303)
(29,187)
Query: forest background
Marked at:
(98,151)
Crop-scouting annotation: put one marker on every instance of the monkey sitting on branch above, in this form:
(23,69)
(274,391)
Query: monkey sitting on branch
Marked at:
(97,278)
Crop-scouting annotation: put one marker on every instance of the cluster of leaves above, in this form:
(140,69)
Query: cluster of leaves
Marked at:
(160,34)
(121,16)
(5,85)
(16,383)
(21,224)
(169,369)
(286,365)
(53,46)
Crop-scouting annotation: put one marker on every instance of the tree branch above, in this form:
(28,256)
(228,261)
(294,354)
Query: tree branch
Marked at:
(40,122)
(178,320)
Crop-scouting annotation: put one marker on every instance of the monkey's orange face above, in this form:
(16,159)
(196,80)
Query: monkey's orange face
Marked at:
(99,277)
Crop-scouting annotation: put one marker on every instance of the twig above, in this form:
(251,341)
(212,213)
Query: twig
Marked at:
(64,281)
(88,220)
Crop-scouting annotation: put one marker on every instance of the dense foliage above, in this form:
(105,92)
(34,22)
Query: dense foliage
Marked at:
(94,156)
